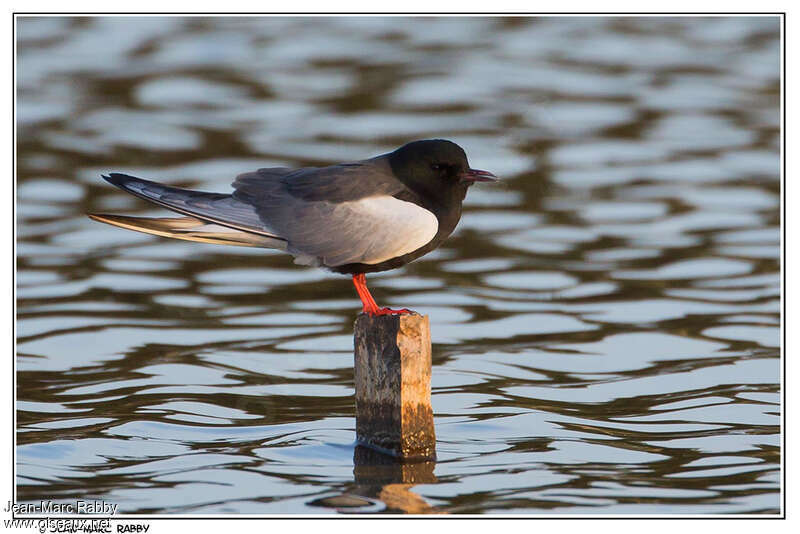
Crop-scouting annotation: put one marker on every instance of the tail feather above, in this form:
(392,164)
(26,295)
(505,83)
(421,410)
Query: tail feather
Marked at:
(190,229)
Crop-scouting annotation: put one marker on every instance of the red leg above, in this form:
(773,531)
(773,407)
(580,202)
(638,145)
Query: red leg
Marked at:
(370,306)
(360,283)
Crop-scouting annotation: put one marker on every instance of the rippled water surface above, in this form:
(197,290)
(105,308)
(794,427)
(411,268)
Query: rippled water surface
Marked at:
(606,321)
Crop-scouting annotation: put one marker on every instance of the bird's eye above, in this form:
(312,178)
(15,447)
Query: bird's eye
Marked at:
(438,167)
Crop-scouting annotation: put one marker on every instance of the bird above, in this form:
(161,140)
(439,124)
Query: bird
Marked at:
(351,218)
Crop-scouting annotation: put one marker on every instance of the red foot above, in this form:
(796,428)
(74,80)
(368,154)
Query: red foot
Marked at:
(370,307)
(388,311)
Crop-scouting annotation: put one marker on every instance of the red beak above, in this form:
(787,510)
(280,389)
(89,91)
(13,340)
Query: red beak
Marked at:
(470,176)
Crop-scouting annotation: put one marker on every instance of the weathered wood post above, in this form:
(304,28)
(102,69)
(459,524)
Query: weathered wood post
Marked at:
(393,385)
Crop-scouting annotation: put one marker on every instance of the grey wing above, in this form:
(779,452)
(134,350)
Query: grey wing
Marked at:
(338,215)
(211,207)
(337,183)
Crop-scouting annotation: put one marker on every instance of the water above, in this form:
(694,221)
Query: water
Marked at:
(606,321)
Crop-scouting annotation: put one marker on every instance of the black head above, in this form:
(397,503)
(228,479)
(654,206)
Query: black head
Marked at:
(436,169)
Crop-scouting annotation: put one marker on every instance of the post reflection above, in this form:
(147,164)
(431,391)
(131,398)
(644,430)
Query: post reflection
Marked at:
(384,481)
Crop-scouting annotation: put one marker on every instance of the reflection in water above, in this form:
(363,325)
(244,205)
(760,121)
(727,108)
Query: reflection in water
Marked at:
(389,481)
(605,321)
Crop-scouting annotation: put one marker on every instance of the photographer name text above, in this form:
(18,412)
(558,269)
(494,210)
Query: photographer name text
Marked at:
(53,507)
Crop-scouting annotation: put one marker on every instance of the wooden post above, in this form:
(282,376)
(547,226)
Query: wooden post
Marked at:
(393,385)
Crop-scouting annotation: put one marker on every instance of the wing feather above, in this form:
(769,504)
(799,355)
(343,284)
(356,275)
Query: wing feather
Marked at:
(216,208)
(337,183)
(340,214)
(189,229)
